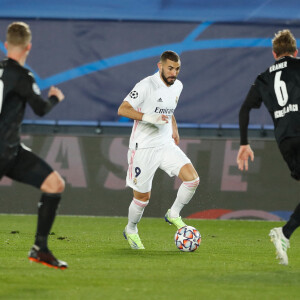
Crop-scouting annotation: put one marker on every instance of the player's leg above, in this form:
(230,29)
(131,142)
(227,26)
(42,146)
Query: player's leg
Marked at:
(135,213)
(52,188)
(177,163)
(136,210)
(280,236)
(190,182)
(290,150)
(141,169)
(28,168)
(294,221)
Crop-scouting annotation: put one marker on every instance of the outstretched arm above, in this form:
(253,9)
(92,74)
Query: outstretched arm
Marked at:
(42,106)
(126,110)
(253,100)
(28,88)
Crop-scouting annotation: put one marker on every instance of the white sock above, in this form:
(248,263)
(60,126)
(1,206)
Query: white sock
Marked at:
(185,193)
(135,212)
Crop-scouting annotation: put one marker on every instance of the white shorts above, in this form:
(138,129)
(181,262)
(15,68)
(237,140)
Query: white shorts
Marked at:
(143,163)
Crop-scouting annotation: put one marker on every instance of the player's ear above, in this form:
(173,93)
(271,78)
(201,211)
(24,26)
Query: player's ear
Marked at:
(274,54)
(159,65)
(295,53)
(6,45)
(28,47)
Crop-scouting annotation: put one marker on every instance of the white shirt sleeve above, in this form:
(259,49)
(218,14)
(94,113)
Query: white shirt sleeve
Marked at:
(137,95)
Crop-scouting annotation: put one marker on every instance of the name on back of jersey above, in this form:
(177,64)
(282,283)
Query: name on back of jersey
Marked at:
(282,112)
(278,66)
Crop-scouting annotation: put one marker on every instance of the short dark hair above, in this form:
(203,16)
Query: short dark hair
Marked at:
(284,42)
(171,55)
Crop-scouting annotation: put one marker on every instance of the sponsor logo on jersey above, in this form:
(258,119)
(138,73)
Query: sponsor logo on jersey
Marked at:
(165,111)
(36,89)
(281,113)
(134,94)
(279,66)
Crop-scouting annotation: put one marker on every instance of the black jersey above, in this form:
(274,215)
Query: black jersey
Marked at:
(18,87)
(279,89)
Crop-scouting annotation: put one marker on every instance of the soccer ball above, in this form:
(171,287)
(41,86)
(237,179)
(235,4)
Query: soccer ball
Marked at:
(187,239)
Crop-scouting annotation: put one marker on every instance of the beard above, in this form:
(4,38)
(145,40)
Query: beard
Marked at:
(170,80)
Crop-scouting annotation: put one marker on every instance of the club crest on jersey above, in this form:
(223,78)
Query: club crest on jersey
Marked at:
(134,94)
(176,100)
(135,180)
(160,100)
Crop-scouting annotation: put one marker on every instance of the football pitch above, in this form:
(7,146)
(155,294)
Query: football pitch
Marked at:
(235,260)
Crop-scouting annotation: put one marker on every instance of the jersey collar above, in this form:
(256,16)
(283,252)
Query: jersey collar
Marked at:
(12,60)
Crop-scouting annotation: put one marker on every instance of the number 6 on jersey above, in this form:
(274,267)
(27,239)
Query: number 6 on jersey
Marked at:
(280,90)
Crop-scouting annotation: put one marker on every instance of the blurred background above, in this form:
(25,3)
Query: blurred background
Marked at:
(96,51)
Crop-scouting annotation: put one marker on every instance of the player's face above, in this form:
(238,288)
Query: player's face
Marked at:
(169,71)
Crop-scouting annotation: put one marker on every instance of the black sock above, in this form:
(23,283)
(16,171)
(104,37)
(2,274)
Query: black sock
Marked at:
(293,223)
(46,215)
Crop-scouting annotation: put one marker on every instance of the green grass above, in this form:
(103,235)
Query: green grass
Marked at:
(235,260)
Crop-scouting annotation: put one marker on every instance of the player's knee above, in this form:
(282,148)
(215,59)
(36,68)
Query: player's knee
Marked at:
(145,198)
(60,186)
(54,183)
(188,173)
(142,196)
(192,184)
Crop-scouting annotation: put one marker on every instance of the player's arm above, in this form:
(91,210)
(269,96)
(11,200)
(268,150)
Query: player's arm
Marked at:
(126,110)
(175,134)
(30,90)
(253,100)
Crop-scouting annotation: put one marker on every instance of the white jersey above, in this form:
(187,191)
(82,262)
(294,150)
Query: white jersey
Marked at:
(151,95)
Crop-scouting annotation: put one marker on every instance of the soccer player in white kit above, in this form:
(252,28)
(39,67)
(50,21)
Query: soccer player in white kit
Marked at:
(154,144)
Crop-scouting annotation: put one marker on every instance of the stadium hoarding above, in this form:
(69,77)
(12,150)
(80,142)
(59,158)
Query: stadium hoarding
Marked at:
(96,63)
(94,168)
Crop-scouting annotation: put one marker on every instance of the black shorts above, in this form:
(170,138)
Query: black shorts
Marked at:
(25,167)
(290,150)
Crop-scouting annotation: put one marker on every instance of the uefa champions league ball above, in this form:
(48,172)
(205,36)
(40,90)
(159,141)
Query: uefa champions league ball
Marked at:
(187,239)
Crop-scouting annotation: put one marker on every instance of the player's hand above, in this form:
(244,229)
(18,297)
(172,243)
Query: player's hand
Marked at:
(176,137)
(242,158)
(156,119)
(54,91)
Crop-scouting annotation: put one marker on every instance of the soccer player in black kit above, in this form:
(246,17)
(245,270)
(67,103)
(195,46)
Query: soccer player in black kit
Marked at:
(279,89)
(17,88)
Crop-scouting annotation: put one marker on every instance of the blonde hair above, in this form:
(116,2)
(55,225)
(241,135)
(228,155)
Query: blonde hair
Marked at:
(284,42)
(18,34)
